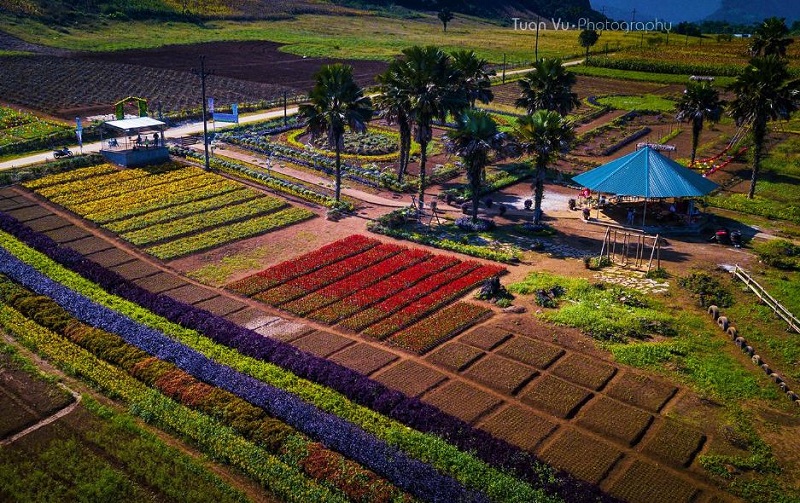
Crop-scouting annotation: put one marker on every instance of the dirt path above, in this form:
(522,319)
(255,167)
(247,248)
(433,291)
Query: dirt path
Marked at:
(48,420)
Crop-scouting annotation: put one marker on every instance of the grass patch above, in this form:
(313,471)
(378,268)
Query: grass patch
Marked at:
(660,78)
(606,313)
(346,36)
(647,102)
(778,187)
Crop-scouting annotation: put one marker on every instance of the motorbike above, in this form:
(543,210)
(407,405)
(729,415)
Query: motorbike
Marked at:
(725,237)
(62,152)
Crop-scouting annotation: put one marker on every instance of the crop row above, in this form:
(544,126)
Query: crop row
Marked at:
(200,220)
(156,192)
(117,182)
(329,384)
(176,211)
(223,445)
(170,213)
(248,421)
(290,269)
(351,284)
(362,298)
(419,478)
(438,327)
(126,207)
(320,278)
(71,176)
(268,180)
(233,232)
(431,302)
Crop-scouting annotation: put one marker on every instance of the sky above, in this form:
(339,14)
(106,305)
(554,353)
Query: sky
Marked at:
(647,10)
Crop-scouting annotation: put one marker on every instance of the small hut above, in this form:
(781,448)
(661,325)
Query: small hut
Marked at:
(135,142)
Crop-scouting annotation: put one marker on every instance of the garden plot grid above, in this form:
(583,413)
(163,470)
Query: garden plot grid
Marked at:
(590,417)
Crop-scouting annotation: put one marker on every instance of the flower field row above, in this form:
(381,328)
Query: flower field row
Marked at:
(419,478)
(376,288)
(293,448)
(351,284)
(113,184)
(438,327)
(223,445)
(418,309)
(320,278)
(362,298)
(172,211)
(271,180)
(293,268)
(228,233)
(71,176)
(199,220)
(139,205)
(503,471)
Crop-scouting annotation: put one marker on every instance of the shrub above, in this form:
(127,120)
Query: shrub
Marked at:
(779,253)
(479,225)
(707,288)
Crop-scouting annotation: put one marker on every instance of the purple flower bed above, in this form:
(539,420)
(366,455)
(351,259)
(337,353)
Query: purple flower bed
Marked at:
(357,387)
(414,476)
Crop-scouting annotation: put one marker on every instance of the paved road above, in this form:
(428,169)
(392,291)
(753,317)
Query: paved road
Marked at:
(186,129)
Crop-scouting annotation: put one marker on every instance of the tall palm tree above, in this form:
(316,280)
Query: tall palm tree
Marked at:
(445,16)
(548,87)
(475,139)
(700,102)
(432,90)
(764,93)
(475,76)
(393,104)
(336,102)
(770,37)
(544,133)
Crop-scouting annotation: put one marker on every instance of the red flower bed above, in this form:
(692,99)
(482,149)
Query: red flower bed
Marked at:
(404,297)
(304,264)
(331,273)
(428,303)
(439,327)
(383,289)
(358,281)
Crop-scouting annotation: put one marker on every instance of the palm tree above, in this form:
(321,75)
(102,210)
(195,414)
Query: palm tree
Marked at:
(544,133)
(475,76)
(587,39)
(764,93)
(770,37)
(336,102)
(432,90)
(548,87)
(700,101)
(393,104)
(445,16)
(474,139)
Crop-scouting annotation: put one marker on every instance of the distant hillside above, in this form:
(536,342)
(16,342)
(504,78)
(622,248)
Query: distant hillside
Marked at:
(499,9)
(748,11)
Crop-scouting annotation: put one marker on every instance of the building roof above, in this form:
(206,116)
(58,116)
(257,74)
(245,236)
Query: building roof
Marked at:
(137,124)
(645,173)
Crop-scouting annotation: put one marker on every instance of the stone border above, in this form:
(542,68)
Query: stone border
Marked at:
(733,334)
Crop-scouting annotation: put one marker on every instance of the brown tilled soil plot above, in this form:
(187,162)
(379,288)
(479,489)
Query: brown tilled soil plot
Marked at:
(253,61)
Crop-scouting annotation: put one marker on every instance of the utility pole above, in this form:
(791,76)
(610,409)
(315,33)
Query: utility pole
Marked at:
(536,48)
(203,74)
